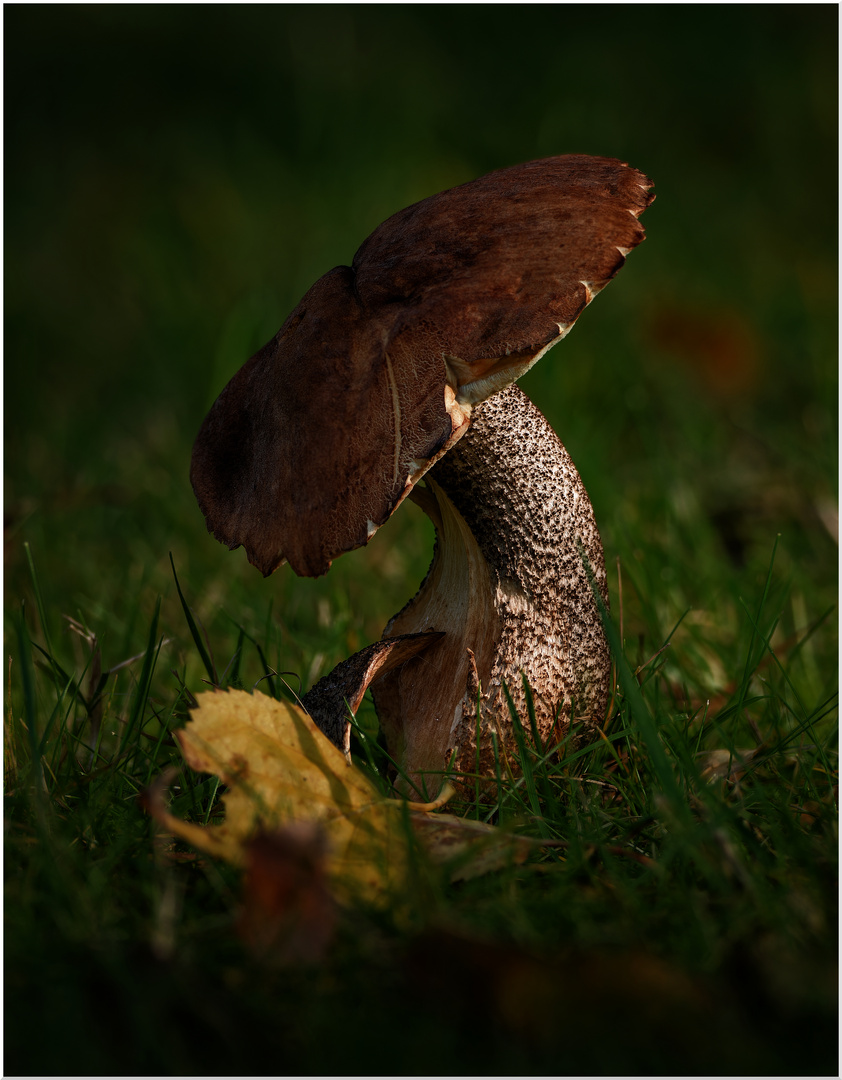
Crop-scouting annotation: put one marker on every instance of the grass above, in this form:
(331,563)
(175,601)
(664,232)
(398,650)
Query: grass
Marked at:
(686,919)
(689,909)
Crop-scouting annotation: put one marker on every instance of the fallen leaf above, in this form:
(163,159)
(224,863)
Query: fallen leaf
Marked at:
(288,914)
(472,847)
(281,769)
(724,764)
(538,995)
(284,776)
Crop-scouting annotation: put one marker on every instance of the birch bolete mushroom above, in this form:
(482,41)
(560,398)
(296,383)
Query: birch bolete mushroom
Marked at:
(398,368)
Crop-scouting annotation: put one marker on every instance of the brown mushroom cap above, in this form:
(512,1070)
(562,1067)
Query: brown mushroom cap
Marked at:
(320,436)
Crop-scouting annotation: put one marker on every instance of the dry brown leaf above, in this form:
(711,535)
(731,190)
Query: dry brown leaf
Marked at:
(724,764)
(473,847)
(540,994)
(288,914)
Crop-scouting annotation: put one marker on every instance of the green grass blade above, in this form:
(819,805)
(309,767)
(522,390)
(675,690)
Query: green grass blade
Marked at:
(643,719)
(145,681)
(526,764)
(27,678)
(268,672)
(232,676)
(61,678)
(39,600)
(630,687)
(195,633)
(751,663)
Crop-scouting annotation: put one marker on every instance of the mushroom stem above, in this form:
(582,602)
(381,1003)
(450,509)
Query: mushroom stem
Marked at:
(509,588)
(393,370)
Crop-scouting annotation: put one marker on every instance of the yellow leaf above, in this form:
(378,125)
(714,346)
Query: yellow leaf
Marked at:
(280,768)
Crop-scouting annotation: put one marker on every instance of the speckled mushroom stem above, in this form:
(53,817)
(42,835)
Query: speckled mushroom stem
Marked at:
(509,588)
(388,375)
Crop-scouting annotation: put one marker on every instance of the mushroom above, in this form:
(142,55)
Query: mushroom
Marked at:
(341,692)
(398,368)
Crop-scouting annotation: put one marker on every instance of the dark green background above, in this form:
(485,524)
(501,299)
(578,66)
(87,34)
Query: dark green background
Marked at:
(177,177)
